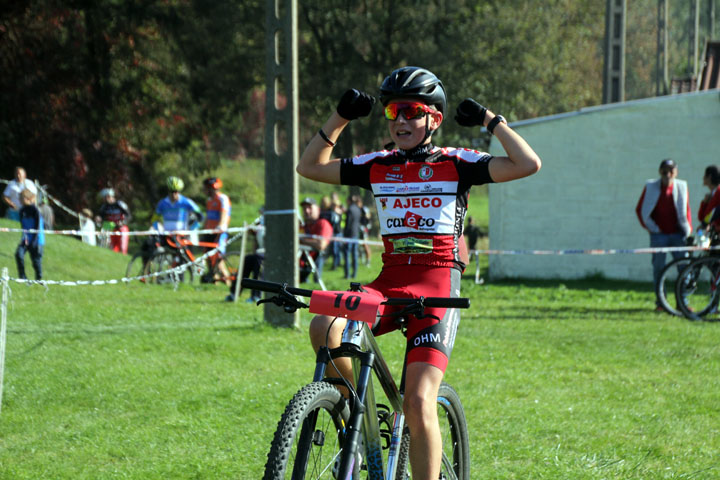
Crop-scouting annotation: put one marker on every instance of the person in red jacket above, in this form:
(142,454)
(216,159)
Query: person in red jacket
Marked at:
(318,232)
(709,203)
(664,210)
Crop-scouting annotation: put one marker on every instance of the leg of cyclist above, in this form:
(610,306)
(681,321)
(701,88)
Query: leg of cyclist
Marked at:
(420,406)
(320,336)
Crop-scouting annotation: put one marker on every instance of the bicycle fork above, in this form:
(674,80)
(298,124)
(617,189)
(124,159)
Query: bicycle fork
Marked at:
(364,414)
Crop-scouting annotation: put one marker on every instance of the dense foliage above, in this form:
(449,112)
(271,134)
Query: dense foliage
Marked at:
(123,92)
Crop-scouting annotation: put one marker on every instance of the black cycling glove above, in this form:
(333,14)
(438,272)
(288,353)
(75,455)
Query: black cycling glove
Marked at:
(470,113)
(355,104)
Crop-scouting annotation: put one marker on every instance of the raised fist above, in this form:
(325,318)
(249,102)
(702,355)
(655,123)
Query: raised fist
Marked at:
(355,104)
(470,113)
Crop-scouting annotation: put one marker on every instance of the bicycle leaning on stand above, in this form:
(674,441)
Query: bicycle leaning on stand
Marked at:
(322,434)
(178,250)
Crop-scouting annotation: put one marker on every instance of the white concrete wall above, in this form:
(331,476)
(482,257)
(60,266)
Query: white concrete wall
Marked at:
(595,163)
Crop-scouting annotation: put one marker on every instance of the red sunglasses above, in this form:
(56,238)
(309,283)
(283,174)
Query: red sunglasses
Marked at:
(410,110)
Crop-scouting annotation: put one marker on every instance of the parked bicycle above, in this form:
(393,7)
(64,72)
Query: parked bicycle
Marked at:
(322,434)
(178,250)
(665,288)
(699,286)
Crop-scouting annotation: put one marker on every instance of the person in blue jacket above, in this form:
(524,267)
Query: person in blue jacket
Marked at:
(33,237)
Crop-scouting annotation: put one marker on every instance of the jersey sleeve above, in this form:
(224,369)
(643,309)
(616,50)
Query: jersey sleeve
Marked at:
(473,167)
(353,171)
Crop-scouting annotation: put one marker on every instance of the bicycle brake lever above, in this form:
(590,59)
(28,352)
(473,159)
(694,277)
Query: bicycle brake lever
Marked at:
(285,300)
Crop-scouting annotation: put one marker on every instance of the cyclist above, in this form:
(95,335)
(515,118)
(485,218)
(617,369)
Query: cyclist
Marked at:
(421,194)
(217,217)
(177,211)
(114,215)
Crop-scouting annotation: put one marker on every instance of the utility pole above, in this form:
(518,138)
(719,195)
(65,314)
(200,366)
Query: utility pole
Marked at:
(662,83)
(281,152)
(693,39)
(614,68)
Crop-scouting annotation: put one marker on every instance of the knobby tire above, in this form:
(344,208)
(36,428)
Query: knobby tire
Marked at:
(455,441)
(699,287)
(666,285)
(321,408)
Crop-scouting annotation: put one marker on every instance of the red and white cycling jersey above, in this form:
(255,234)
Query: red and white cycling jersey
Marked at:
(421,199)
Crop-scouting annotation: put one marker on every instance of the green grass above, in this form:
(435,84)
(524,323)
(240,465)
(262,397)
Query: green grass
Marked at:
(560,380)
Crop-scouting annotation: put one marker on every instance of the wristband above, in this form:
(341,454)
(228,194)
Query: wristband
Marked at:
(324,136)
(494,123)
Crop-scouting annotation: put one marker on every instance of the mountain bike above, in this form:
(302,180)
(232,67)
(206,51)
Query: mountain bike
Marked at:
(178,250)
(666,286)
(699,286)
(322,434)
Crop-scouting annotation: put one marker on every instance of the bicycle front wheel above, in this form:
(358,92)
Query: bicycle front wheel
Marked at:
(309,437)
(455,441)
(697,289)
(665,288)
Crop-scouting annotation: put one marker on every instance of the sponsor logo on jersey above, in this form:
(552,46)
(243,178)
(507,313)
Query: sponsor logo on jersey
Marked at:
(411,245)
(417,202)
(427,338)
(393,177)
(383,202)
(428,188)
(411,220)
(425,173)
(386,188)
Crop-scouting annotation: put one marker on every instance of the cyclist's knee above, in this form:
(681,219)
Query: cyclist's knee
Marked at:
(318,330)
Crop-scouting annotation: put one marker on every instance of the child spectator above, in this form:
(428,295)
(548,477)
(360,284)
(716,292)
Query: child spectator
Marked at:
(30,219)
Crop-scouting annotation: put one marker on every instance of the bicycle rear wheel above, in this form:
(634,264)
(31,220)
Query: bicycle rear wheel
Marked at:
(232,262)
(455,441)
(135,267)
(666,285)
(309,436)
(697,289)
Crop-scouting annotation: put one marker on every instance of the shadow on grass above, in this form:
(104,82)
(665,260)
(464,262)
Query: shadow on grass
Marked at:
(587,283)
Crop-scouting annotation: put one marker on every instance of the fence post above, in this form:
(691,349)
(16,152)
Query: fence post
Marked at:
(5,281)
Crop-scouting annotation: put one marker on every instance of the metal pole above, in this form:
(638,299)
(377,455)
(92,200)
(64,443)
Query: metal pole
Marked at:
(661,72)
(693,39)
(241,263)
(281,152)
(3,326)
(614,67)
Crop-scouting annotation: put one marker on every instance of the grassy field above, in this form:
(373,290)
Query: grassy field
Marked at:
(560,380)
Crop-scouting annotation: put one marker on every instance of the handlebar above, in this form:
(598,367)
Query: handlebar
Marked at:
(433,302)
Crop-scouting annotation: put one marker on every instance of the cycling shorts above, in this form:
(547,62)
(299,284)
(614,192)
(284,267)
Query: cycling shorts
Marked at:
(429,340)
(220,239)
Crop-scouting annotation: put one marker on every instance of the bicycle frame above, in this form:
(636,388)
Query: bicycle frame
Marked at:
(360,345)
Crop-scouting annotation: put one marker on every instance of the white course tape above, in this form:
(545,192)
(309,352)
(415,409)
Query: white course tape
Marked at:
(174,273)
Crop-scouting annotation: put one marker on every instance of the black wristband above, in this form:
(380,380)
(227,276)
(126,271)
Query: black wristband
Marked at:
(324,136)
(494,123)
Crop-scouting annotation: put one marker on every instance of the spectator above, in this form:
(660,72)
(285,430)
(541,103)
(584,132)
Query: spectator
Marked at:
(47,212)
(114,216)
(318,231)
(11,194)
(709,203)
(328,211)
(217,217)
(339,210)
(472,233)
(87,227)
(252,265)
(365,223)
(664,210)
(31,241)
(353,217)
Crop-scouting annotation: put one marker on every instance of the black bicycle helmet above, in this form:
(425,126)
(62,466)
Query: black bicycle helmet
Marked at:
(414,82)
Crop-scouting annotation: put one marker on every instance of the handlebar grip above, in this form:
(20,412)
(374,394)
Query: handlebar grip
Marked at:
(273,287)
(436,302)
